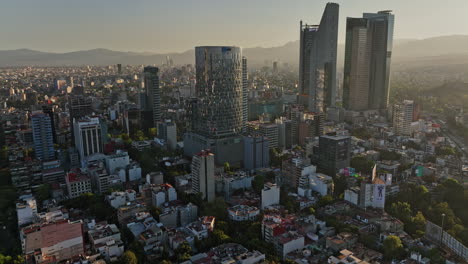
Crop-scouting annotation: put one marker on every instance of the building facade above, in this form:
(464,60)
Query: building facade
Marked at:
(317,61)
(203,175)
(43,136)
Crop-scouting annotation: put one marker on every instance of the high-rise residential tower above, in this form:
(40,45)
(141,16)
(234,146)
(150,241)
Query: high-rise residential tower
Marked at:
(219,90)
(245,94)
(317,61)
(368,52)
(42,136)
(403,117)
(203,178)
(153,93)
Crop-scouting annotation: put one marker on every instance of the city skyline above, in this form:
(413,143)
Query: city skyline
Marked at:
(61,27)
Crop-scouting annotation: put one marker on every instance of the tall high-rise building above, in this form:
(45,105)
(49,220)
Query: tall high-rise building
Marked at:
(153,93)
(334,154)
(49,110)
(403,117)
(42,136)
(119,68)
(217,112)
(89,137)
(245,94)
(382,24)
(368,53)
(203,178)
(356,69)
(219,90)
(317,61)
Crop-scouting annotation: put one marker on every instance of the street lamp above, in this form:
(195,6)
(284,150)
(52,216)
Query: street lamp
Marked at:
(442,229)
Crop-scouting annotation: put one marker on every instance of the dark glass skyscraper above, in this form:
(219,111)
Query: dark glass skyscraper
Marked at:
(368,52)
(153,93)
(317,61)
(219,90)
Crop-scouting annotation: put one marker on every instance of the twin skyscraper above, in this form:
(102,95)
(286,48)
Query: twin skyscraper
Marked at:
(368,53)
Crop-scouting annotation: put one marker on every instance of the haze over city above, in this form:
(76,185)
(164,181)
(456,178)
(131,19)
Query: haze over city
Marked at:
(177,26)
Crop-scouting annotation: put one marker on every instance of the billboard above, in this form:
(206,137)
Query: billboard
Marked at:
(379,196)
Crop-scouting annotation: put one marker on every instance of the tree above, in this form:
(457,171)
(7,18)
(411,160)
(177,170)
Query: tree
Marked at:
(129,257)
(361,164)
(152,132)
(43,192)
(402,211)
(154,211)
(227,167)
(258,182)
(183,252)
(393,248)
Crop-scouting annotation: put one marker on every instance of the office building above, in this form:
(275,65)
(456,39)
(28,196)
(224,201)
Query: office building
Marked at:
(89,137)
(217,112)
(219,89)
(203,179)
(79,106)
(119,68)
(403,117)
(317,61)
(153,93)
(42,136)
(256,152)
(368,52)
(168,132)
(334,154)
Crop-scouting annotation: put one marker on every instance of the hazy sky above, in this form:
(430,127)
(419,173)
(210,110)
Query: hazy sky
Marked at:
(179,25)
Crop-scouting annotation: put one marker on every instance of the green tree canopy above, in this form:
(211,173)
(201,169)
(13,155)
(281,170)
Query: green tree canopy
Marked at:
(393,247)
(129,257)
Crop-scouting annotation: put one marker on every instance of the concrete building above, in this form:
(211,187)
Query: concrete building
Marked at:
(270,195)
(53,241)
(162,194)
(105,239)
(203,179)
(268,130)
(89,137)
(288,242)
(26,209)
(118,160)
(168,132)
(78,183)
(403,117)
(42,136)
(256,152)
(317,64)
(242,212)
(118,199)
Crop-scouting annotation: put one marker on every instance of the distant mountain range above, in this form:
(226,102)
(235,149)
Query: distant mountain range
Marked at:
(449,51)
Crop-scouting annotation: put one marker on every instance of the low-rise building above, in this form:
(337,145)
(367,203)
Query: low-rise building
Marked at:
(105,239)
(242,212)
(118,199)
(78,183)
